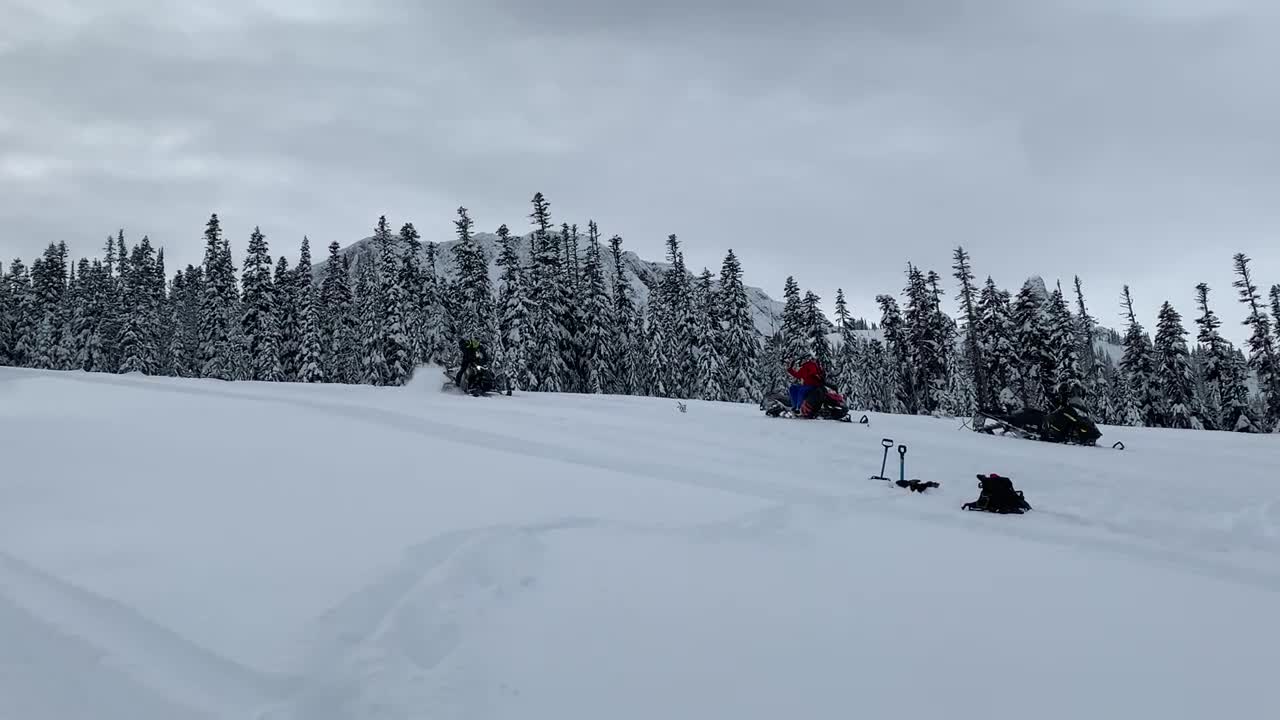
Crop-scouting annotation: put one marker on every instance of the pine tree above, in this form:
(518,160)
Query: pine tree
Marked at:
(844,360)
(738,340)
(1036,373)
(413,280)
(794,346)
(188,291)
(625,357)
(337,320)
(597,316)
(1138,368)
(710,328)
(816,324)
(1262,347)
(48,285)
(1275,305)
(111,317)
(512,346)
(896,379)
(369,315)
(574,322)
(1177,406)
(138,347)
(310,350)
(951,395)
(217,306)
(1000,359)
(549,303)
(287,322)
(392,326)
(7,308)
(434,313)
(968,297)
(676,292)
(657,382)
(1094,379)
(475,301)
(258,323)
(924,345)
(1064,344)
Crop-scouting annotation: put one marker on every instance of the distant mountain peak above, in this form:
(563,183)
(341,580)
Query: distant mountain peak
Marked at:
(643,275)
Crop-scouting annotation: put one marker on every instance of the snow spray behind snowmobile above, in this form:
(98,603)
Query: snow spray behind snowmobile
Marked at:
(833,406)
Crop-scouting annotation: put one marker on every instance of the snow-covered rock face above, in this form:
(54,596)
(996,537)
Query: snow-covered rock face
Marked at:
(643,275)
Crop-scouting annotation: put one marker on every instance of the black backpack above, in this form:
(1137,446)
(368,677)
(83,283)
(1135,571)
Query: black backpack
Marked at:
(998,496)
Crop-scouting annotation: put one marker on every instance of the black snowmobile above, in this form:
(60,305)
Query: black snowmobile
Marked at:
(478,380)
(833,405)
(1069,424)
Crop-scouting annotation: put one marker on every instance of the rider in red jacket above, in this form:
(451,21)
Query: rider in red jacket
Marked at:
(810,373)
(804,395)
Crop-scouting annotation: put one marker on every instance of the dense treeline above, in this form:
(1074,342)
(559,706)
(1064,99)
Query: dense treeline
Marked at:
(562,316)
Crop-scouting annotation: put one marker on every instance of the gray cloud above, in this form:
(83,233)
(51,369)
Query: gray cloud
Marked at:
(829,139)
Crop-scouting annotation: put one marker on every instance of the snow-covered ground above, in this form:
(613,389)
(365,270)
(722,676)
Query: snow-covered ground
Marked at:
(175,549)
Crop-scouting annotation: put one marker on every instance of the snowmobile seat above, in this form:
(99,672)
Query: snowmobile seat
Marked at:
(998,496)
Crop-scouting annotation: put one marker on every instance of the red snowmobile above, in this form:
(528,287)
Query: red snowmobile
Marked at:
(833,406)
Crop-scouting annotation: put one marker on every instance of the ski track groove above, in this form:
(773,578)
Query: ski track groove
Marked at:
(154,656)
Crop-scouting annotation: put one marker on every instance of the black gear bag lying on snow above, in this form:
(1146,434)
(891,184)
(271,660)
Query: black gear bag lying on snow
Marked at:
(998,496)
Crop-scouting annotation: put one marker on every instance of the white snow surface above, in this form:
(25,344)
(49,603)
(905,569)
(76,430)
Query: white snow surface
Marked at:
(175,549)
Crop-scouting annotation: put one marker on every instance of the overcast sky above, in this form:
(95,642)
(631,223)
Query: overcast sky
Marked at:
(835,140)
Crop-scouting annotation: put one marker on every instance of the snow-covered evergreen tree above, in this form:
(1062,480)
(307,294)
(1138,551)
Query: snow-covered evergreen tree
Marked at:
(794,346)
(997,347)
(816,326)
(626,356)
(436,342)
(188,291)
(394,310)
(288,322)
(310,350)
(218,300)
(1095,380)
(258,323)
(923,348)
(962,271)
(897,376)
(475,291)
(139,351)
(1263,355)
(597,316)
(1177,404)
(549,301)
(512,339)
(710,328)
(739,344)
(844,363)
(658,362)
(1036,372)
(1064,344)
(676,292)
(574,322)
(337,320)
(369,322)
(1138,367)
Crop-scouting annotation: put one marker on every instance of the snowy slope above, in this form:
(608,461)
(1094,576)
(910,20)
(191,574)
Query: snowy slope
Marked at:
(175,549)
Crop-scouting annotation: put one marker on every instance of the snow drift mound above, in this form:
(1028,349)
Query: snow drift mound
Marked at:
(198,549)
